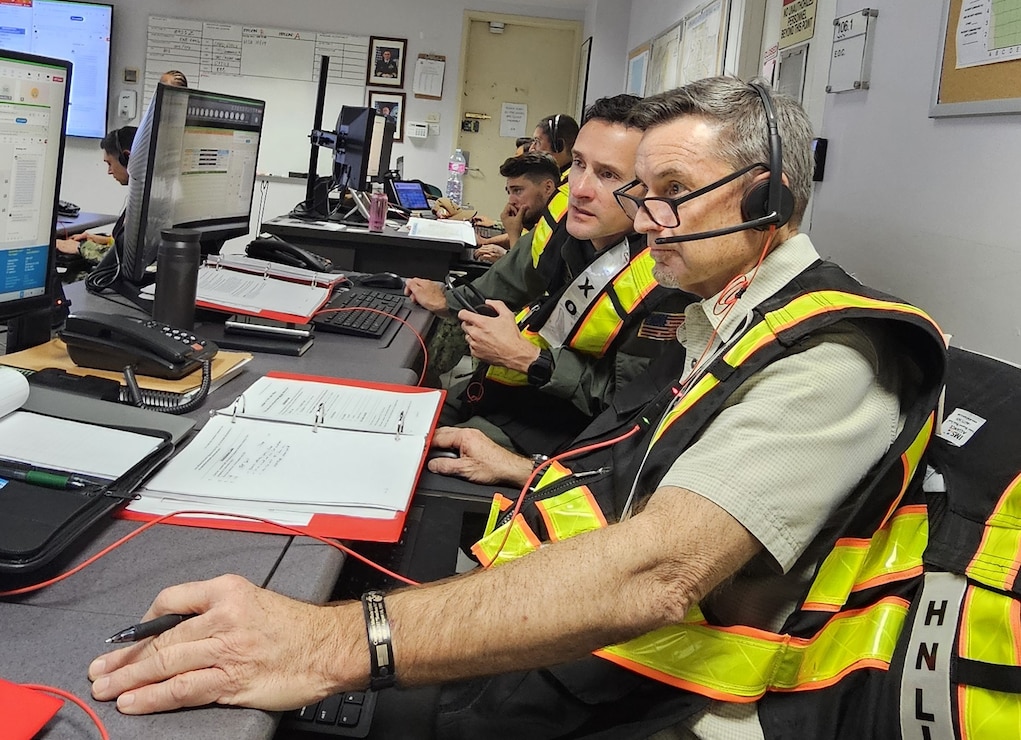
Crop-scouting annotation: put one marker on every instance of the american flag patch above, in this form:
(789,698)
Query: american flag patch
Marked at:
(661,326)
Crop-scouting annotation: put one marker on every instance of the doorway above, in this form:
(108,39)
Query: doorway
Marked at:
(510,59)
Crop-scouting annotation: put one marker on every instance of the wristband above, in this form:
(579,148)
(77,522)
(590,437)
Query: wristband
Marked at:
(381,652)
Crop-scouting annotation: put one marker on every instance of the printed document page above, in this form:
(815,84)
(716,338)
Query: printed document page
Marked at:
(445,229)
(338,406)
(297,466)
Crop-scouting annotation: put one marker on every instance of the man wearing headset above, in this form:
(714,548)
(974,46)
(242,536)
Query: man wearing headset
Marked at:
(116,146)
(573,326)
(792,424)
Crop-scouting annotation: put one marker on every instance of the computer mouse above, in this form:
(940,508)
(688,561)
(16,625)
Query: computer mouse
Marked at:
(381,280)
(437,452)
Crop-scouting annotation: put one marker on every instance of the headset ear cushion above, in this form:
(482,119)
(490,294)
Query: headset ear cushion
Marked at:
(755,203)
(123,158)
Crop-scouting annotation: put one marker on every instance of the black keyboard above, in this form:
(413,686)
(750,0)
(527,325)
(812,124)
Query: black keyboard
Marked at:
(340,715)
(372,323)
(487,232)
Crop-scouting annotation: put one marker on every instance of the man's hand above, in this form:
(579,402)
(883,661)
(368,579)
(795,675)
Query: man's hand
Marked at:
(481,459)
(67,246)
(511,217)
(428,294)
(246,646)
(490,252)
(497,339)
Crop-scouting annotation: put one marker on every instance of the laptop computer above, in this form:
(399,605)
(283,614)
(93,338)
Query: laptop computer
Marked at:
(410,195)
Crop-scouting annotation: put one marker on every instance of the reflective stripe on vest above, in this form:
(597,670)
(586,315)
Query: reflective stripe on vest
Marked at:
(740,664)
(600,322)
(1002,535)
(764,333)
(894,553)
(554,213)
(990,629)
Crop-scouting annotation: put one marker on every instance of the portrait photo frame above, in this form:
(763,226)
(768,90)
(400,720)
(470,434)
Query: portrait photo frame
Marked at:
(387,59)
(390,104)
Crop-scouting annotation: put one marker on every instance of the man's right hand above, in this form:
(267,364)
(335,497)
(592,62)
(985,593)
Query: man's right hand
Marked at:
(511,218)
(481,460)
(428,294)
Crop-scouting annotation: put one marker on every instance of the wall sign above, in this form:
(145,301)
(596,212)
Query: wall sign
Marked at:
(797,23)
(851,56)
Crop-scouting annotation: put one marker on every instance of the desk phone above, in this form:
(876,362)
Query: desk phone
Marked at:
(110,342)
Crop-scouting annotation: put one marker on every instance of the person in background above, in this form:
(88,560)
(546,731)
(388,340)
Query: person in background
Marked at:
(174,78)
(555,136)
(532,179)
(116,146)
(521,145)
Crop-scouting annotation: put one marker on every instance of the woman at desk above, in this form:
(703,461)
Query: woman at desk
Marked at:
(91,248)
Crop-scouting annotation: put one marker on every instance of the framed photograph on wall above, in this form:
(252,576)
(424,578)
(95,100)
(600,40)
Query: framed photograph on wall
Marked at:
(390,105)
(386,62)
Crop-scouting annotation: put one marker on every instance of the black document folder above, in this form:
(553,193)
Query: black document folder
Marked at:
(39,523)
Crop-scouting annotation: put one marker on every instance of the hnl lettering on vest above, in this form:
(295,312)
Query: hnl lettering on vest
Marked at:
(925,686)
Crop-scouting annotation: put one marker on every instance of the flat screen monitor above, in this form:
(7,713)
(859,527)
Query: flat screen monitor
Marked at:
(192,165)
(33,111)
(77,31)
(364,143)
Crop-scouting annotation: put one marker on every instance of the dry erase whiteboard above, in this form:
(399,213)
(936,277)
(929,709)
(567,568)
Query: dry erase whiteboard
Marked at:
(279,66)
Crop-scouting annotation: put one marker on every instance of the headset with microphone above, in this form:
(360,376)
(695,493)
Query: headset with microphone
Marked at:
(553,125)
(125,150)
(764,204)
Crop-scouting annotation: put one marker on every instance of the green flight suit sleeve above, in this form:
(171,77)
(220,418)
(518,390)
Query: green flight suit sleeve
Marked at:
(512,279)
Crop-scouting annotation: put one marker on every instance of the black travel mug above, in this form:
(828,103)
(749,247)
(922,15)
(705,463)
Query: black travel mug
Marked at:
(177,274)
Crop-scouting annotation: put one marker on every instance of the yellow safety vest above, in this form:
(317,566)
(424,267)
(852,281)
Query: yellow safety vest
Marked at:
(742,664)
(555,211)
(600,322)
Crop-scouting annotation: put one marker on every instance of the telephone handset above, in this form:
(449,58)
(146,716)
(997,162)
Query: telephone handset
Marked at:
(110,342)
(274,249)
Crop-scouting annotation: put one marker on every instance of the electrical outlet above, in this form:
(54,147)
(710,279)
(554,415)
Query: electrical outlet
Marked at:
(432,117)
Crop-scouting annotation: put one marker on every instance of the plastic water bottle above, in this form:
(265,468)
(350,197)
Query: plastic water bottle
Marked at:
(377,207)
(455,176)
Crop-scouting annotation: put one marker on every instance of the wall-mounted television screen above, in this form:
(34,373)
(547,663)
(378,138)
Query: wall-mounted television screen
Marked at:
(77,31)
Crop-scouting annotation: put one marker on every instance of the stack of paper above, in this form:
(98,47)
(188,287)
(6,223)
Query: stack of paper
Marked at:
(327,454)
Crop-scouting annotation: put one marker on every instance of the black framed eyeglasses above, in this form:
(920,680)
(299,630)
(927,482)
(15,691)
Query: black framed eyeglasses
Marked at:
(663,211)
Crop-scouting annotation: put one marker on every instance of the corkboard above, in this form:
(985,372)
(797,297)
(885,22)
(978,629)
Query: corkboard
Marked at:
(975,91)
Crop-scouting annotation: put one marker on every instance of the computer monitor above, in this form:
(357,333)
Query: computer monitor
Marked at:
(192,165)
(77,31)
(33,115)
(362,150)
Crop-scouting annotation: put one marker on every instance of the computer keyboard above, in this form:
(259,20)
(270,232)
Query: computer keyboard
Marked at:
(487,232)
(371,323)
(340,715)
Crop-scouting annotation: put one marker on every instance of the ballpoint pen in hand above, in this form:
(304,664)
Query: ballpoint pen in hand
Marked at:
(153,627)
(59,481)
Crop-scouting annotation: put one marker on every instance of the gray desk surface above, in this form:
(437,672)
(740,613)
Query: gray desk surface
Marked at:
(356,248)
(51,636)
(82,222)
